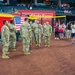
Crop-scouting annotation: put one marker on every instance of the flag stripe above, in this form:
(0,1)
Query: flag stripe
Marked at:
(18,25)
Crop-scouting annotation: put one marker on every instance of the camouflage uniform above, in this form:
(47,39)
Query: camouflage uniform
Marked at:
(12,29)
(47,30)
(25,32)
(37,33)
(31,33)
(5,39)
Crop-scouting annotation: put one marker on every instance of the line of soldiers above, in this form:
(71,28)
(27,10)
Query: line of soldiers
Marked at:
(28,32)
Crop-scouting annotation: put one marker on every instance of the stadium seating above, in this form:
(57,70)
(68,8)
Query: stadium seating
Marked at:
(9,9)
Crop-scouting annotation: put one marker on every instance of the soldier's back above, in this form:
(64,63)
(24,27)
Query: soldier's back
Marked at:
(25,29)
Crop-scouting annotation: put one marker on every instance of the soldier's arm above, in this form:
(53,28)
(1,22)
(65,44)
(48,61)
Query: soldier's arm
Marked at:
(15,29)
(2,33)
(5,33)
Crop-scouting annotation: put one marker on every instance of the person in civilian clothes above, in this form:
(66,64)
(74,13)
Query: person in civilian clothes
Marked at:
(56,30)
(73,34)
(64,30)
(61,31)
(68,30)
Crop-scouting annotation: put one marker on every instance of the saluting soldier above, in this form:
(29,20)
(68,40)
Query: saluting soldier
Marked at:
(5,34)
(37,27)
(12,29)
(47,31)
(25,34)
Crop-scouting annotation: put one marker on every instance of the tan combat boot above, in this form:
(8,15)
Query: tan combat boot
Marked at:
(27,53)
(4,56)
(13,50)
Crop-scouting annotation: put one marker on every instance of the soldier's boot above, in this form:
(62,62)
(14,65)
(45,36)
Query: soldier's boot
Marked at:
(48,45)
(45,45)
(13,50)
(36,44)
(4,56)
(27,53)
(24,52)
(39,45)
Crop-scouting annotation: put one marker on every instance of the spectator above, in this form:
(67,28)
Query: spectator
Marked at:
(61,31)
(68,31)
(15,11)
(73,34)
(30,8)
(56,30)
(64,30)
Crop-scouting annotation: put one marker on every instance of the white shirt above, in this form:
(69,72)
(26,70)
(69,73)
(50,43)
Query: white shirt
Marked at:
(73,29)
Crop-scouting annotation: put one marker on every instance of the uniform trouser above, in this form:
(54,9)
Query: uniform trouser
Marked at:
(26,44)
(13,42)
(5,47)
(37,38)
(47,40)
(68,34)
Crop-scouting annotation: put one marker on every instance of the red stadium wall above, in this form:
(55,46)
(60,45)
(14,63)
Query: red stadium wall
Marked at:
(1,21)
(39,12)
(23,14)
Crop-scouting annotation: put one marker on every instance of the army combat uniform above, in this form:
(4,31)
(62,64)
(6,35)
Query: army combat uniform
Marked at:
(25,34)
(12,29)
(47,30)
(31,34)
(37,33)
(5,34)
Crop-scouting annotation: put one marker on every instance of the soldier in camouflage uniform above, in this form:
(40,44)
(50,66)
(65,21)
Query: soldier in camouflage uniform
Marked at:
(25,34)
(31,33)
(37,27)
(5,34)
(12,29)
(47,30)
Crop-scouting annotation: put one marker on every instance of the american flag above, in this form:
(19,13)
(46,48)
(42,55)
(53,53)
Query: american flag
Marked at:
(18,21)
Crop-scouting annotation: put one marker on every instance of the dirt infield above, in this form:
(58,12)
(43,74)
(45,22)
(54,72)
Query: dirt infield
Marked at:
(58,59)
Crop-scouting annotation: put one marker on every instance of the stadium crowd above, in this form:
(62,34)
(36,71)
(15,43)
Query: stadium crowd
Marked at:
(63,31)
